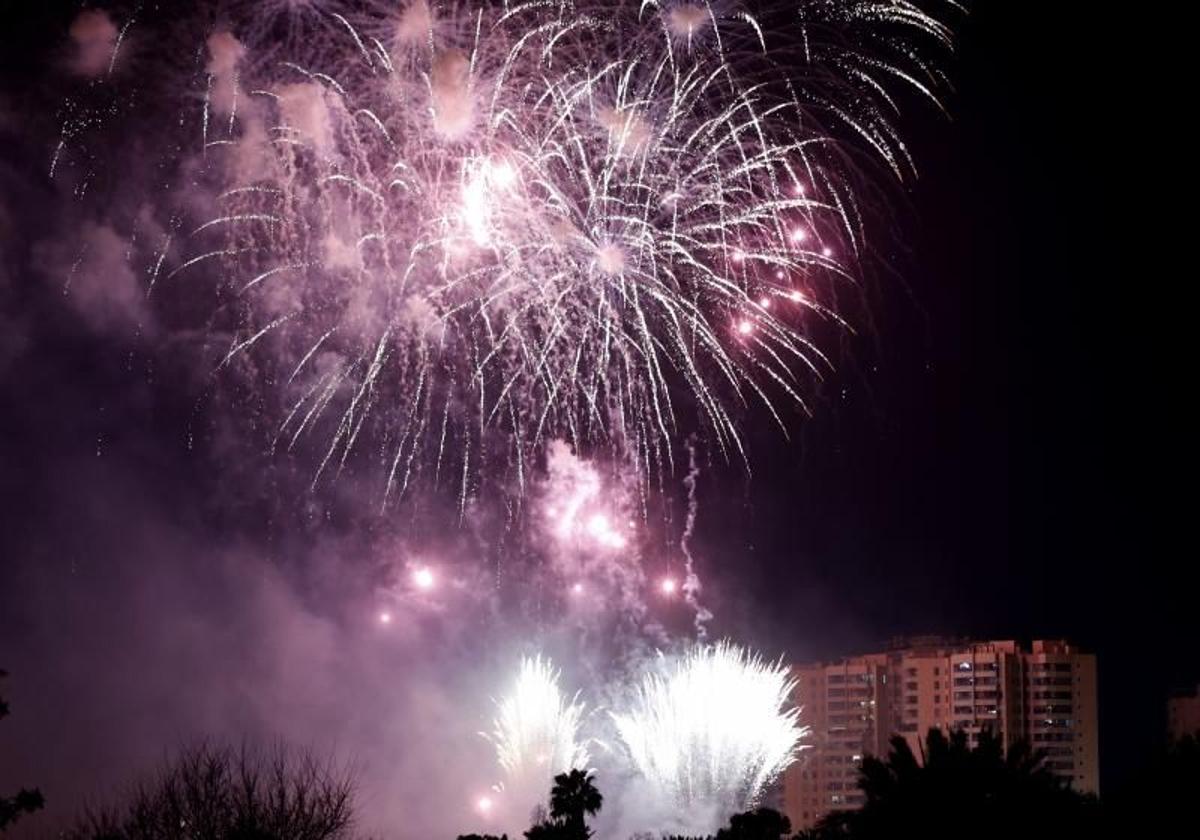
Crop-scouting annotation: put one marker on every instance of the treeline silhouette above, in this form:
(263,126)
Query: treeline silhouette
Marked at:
(951,790)
(26,800)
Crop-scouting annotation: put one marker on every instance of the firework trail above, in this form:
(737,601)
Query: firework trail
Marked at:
(537,735)
(691,581)
(712,729)
(448,233)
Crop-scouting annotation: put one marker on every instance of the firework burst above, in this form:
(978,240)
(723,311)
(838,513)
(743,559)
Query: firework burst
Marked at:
(713,729)
(460,231)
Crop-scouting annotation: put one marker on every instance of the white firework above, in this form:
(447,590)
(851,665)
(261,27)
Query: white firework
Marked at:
(713,728)
(537,735)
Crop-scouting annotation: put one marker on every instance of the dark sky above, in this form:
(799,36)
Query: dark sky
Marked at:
(997,455)
(999,458)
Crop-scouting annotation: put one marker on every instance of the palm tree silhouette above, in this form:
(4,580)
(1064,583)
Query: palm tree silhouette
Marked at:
(997,793)
(573,798)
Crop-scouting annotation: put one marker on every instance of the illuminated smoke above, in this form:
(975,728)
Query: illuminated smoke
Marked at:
(95,39)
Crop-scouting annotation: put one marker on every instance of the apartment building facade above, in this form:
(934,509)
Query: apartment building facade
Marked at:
(1044,694)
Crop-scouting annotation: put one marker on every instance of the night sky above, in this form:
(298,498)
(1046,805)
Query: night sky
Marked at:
(997,455)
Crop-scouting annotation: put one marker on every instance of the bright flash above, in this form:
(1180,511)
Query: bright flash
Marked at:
(423,578)
(745,327)
(484,804)
(600,529)
(503,175)
(668,586)
(385,617)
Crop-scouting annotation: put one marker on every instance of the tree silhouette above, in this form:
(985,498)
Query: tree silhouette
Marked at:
(573,798)
(760,824)
(221,793)
(25,801)
(482,837)
(1161,797)
(956,790)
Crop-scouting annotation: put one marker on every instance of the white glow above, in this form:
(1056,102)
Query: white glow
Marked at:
(423,578)
(502,174)
(475,210)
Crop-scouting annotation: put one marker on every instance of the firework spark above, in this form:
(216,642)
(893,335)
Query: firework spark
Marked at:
(713,728)
(464,230)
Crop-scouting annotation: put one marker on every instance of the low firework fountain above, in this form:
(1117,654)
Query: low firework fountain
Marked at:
(537,735)
(712,729)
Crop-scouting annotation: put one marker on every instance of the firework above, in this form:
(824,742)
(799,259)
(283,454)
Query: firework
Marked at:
(536,735)
(464,230)
(423,578)
(712,729)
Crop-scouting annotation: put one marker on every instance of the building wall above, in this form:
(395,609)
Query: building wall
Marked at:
(1045,695)
(1183,715)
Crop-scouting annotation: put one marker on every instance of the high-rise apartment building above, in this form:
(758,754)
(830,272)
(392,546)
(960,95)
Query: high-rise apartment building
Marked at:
(1045,694)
